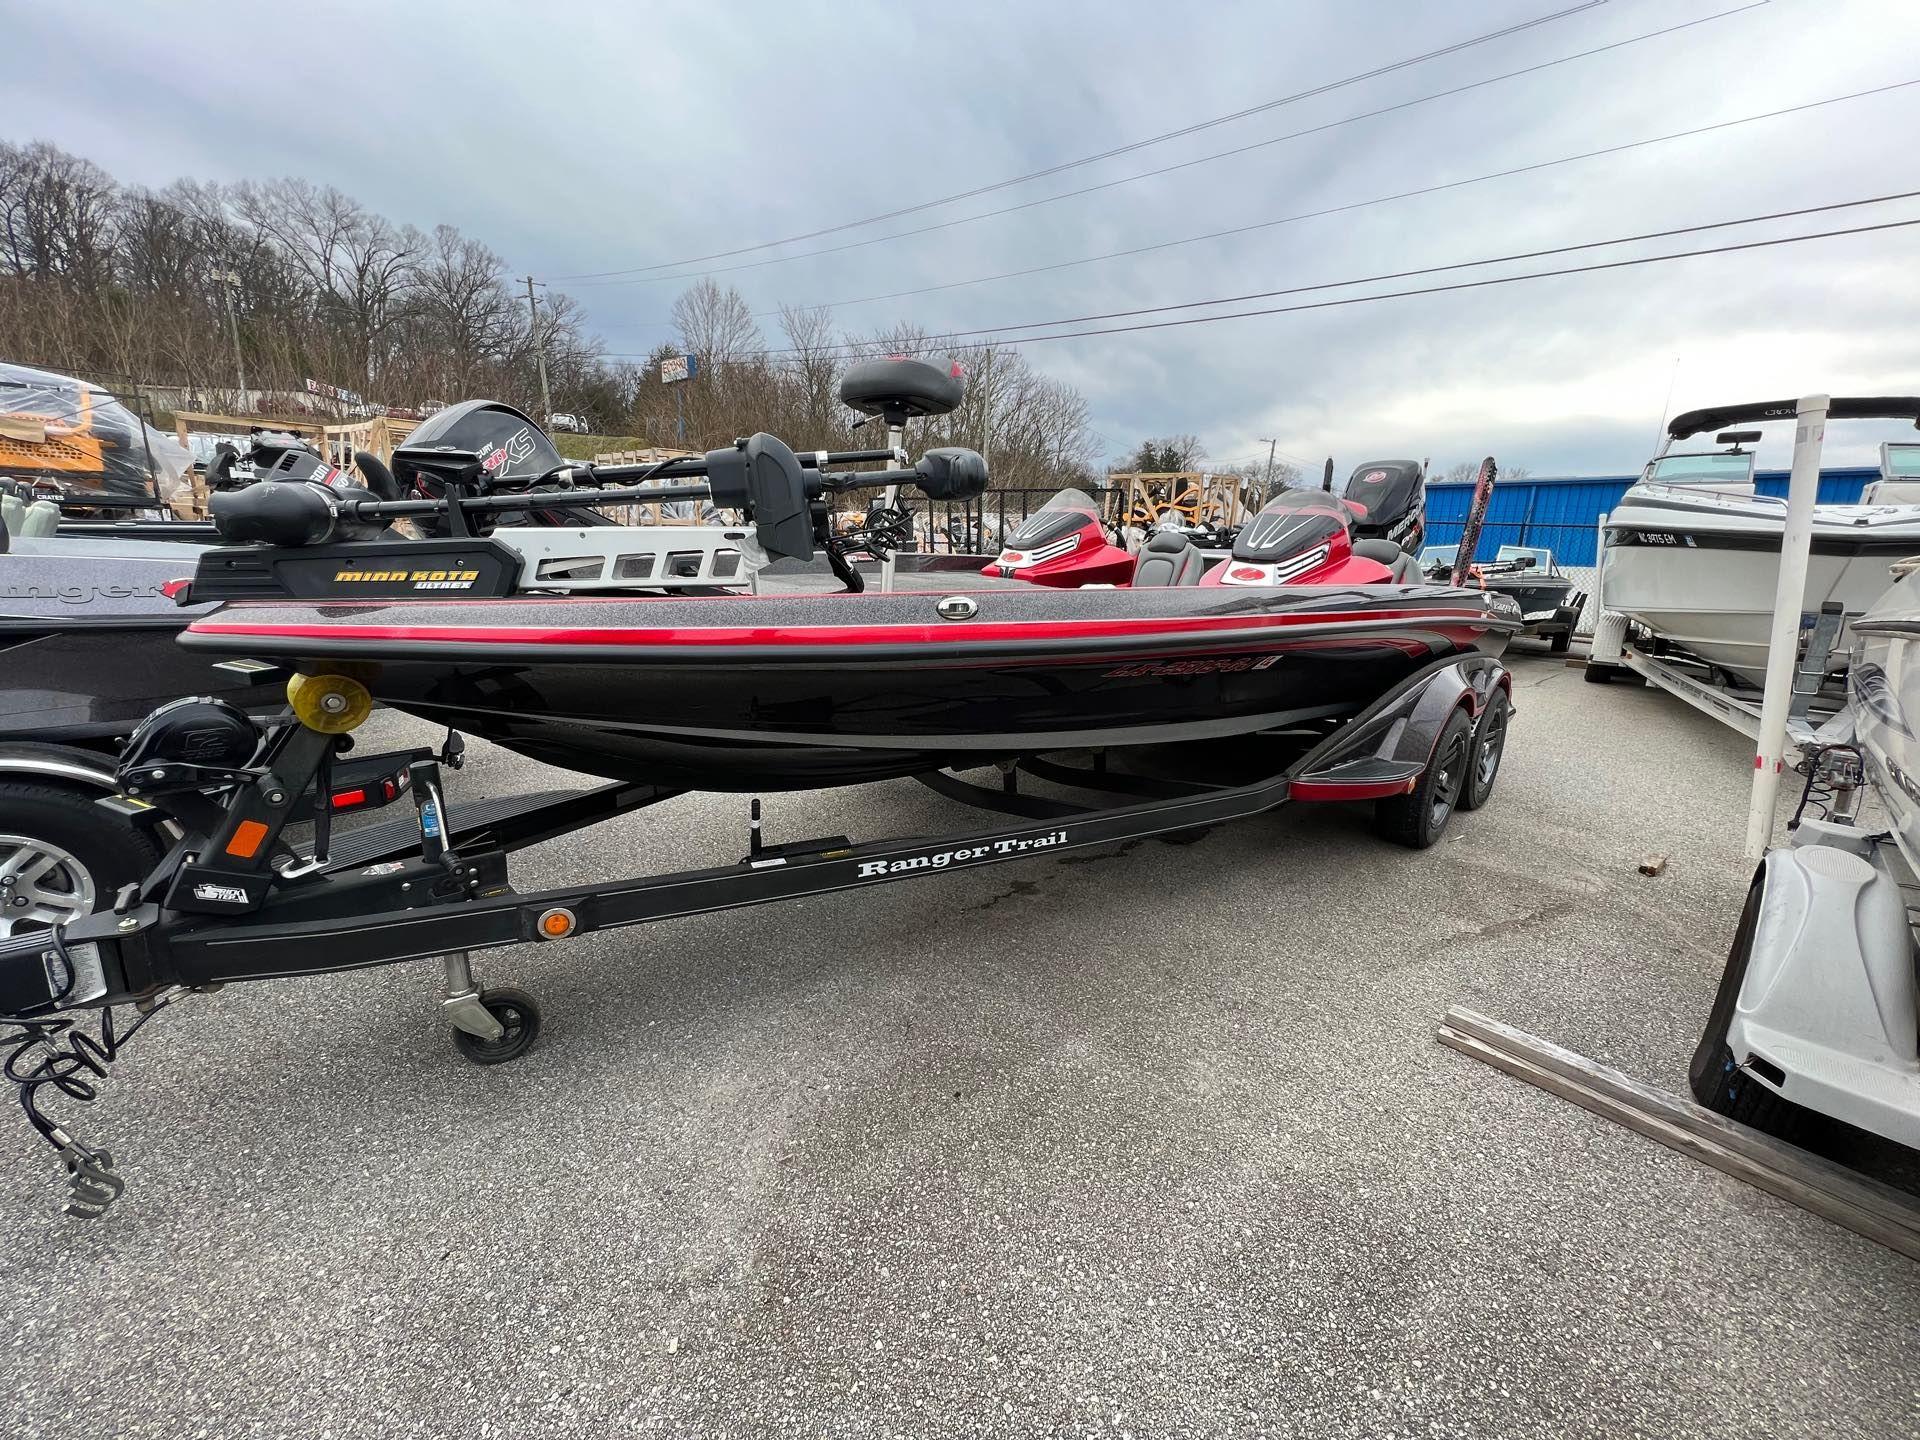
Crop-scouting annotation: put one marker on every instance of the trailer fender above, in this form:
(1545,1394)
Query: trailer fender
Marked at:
(62,765)
(1829,980)
(1384,753)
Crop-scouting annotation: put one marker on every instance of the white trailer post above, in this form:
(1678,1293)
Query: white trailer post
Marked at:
(1789,599)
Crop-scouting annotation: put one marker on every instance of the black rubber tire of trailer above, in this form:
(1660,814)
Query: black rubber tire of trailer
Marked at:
(111,849)
(1411,819)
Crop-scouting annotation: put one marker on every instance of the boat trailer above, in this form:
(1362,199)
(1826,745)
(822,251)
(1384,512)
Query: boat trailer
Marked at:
(235,900)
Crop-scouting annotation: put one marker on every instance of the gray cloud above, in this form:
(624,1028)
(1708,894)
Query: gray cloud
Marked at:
(583,138)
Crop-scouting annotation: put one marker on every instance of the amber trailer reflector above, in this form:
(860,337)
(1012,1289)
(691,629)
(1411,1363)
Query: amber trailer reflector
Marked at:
(247,836)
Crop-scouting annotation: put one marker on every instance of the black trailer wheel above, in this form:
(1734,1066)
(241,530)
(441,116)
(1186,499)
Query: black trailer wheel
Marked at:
(1715,1076)
(1599,674)
(1489,745)
(1560,642)
(519,1018)
(1417,818)
(62,856)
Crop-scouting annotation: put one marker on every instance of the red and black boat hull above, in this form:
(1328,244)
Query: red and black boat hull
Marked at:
(795,692)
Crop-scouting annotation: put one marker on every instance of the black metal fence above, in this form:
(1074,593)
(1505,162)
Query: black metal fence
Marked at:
(981,527)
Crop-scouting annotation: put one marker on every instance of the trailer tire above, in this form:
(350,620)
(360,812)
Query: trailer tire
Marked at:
(1489,746)
(1560,642)
(1417,818)
(1715,1076)
(95,851)
(1596,674)
(517,1014)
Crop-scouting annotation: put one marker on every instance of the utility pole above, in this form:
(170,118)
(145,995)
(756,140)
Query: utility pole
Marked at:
(1268,482)
(539,355)
(231,283)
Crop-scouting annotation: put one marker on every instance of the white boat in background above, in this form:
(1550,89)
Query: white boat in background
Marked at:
(1693,551)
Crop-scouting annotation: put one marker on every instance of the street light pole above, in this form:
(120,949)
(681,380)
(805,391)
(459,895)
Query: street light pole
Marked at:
(540,355)
(231,283)
(1267,484)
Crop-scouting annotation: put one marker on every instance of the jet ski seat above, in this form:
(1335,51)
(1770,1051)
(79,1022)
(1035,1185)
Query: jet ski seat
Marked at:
(1169,558)
(1406,570)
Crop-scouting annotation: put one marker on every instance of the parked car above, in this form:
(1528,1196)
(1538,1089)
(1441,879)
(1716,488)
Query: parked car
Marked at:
(572,424)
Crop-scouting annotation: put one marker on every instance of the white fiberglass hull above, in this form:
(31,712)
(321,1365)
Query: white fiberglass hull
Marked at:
(1699,568)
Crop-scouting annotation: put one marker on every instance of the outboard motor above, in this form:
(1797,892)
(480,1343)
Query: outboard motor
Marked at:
(1302,537)
(1388,501)
(512,452)
(1063,544)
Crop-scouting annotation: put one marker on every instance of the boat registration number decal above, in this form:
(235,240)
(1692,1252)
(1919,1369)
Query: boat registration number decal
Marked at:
(1206,665)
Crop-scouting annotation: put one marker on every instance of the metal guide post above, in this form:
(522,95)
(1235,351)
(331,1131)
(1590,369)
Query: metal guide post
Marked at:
(1783,645)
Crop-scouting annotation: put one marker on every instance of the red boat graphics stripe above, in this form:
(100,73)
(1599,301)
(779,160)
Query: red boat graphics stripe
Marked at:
(945,633)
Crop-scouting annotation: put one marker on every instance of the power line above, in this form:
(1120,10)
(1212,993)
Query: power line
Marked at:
(1065,165)
(1017,339)
(1164,169)
(1465,284)
(1379,200)
(1668,234)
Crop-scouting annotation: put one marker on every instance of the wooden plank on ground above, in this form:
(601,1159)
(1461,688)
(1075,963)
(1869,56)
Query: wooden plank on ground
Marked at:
(1864,1206)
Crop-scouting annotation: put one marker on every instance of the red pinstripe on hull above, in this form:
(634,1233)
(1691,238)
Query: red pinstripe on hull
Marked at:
(943,633)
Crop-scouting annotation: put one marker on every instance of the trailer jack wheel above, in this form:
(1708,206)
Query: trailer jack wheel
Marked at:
(514,1014)
(490,1026)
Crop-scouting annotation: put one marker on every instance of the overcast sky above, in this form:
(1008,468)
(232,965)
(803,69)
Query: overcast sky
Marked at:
(583,138)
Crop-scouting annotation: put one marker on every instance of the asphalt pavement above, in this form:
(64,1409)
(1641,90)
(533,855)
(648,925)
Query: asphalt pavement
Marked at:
(1155,1142)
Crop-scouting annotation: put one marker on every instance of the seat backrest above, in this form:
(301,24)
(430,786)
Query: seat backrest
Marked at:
(1168,559)
(1385,551)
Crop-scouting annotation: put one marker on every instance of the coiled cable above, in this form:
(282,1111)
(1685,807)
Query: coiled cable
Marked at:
(51,1052)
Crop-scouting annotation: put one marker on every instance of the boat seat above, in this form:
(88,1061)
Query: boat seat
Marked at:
(12,513)
(1168,559)
(1406,570)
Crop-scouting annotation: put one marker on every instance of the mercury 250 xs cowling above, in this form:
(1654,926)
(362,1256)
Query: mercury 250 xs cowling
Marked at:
(1388,500)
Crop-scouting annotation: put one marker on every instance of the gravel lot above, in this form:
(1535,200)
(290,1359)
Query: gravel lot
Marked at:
(1156,1145)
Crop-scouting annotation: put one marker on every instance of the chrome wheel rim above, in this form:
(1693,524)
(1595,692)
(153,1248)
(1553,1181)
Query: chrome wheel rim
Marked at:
(41,885)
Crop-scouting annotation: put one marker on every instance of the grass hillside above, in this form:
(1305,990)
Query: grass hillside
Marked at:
(585,447)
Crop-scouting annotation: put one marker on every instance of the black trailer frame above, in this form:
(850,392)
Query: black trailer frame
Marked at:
(437,886)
